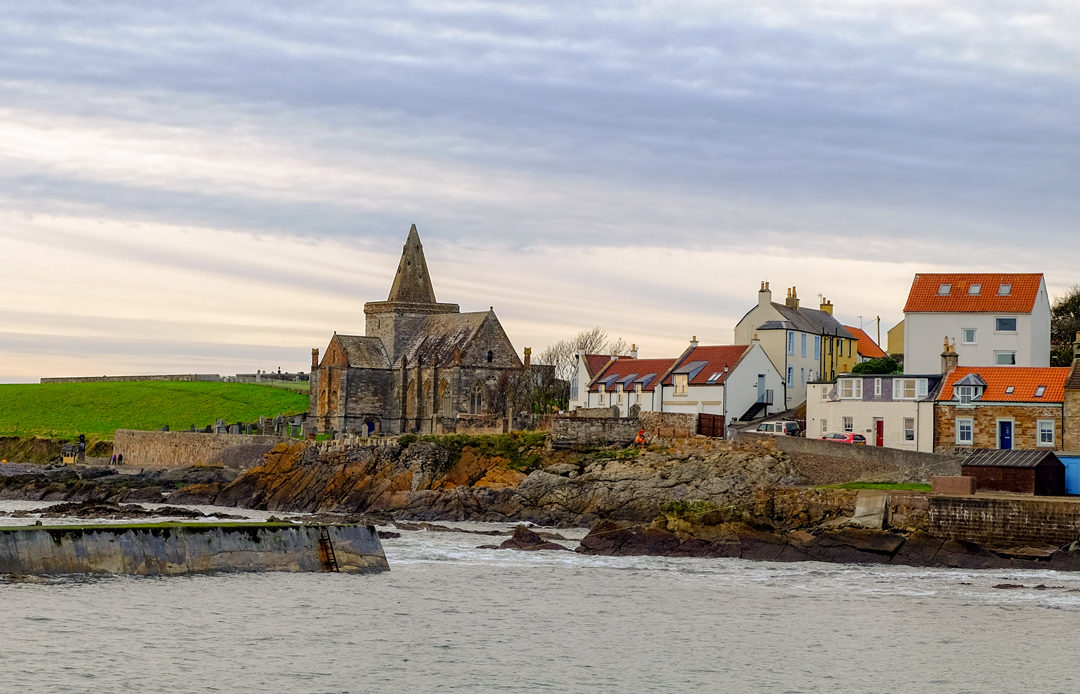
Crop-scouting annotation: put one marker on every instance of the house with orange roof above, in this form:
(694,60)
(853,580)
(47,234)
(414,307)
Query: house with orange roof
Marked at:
(586,367)
(728,381)
(1001,407)
(995,319)
(867,348)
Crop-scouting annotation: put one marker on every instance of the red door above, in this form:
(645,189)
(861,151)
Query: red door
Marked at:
(879,430)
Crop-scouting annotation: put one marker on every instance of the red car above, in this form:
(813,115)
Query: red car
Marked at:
(848,437)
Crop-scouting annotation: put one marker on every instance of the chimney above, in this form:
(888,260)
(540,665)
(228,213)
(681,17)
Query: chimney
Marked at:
(826,306)
(528,356)
(764,295)
(633,351)
(693,341)
(792,299)
(949,358)
(314,358)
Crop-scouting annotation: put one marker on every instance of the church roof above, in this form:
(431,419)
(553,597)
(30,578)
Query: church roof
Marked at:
(364,352)
(439,336)
(412,283)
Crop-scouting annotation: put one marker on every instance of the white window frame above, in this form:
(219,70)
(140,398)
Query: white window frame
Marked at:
(682,384)
(877,387)
(964,336)
(970,441)
(824,426)
(965,395)
(802,340)
(909,428)
(791,342)
(902,386)
(1009,354)
(851,389)
(848,424)
(1044,426)
(922,388)
(997,325)
(817,346)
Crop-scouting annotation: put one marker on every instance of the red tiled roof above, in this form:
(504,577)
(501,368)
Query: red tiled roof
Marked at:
(717,357)
(1023,379)
(926,297)
(867,347)
(625,366)
(595,362)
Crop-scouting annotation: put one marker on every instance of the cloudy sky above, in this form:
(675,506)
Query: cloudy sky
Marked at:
(217,187)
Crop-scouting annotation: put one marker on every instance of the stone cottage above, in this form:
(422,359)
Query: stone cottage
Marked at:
(420,365)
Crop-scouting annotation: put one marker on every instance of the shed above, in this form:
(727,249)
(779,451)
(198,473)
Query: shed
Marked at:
(1028,472)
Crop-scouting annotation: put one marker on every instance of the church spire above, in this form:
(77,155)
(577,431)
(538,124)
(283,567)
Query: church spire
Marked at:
(412,283)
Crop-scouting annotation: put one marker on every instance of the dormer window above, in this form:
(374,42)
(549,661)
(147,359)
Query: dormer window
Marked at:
(1040,391)
(944,290)
(965,394)
(975,289)
(1005,290)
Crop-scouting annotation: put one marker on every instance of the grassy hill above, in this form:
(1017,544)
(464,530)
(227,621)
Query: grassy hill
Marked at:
(97,409)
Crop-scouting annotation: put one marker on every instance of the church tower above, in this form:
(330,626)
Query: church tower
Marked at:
(411,299)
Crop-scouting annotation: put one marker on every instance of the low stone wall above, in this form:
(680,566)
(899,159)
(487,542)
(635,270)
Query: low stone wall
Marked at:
(162,449)
(568,432)
(161,550)
(668,425)
(120,379)
(826,462)
(1005,521)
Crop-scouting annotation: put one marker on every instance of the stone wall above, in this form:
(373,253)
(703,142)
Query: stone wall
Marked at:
(1005,521)
(187,549)
(826,462)
(162,449)
(118,379)
(669,425)
(1025,434)
(795,508)
(570,432)
(1070,440)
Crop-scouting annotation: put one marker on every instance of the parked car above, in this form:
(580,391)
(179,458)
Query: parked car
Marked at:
(846,437)
(784,427)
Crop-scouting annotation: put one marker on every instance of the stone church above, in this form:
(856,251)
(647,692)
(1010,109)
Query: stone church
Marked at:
(420,365)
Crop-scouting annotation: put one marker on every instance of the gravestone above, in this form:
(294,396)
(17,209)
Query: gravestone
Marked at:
(262,425)
(234,429)
(219,426)
(307,428)
(165,428)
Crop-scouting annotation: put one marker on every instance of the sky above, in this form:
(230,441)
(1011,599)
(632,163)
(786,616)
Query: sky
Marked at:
(218,187)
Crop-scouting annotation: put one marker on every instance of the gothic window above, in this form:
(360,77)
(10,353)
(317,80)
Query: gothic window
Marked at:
(476,399)
(491,356)
(444,398)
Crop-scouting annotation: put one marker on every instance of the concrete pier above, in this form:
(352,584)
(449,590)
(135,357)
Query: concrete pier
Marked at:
(179,548)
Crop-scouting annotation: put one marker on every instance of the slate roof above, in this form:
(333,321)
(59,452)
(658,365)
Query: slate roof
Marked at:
(807,320)
(439,335)
(867,347)
(364,352)
(925,295)
(987,457)
(1023,379)
(1073,383)
(704,362)
(645,371)
(412,283)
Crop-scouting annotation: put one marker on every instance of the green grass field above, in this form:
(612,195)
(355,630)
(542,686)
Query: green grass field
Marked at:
(64,410)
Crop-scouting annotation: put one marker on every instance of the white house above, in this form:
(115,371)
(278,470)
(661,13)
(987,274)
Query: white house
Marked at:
(894,411)
(995,319)
(586,367)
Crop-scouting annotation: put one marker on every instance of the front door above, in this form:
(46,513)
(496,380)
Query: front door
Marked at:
(1005,435)
(761,387)
(879,432)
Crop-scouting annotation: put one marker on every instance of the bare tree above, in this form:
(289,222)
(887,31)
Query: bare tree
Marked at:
(563,354)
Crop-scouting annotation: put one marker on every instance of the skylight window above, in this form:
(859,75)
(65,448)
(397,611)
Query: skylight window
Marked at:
(715,377)
(1009,390)
(975,289)
(1005,290)
(944,290)
(1040,391)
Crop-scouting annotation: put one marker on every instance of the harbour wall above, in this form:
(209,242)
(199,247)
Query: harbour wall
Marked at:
(1006,521)
(156,550)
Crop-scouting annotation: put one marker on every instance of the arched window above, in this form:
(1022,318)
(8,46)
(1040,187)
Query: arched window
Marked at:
(476,399)
(444,398)
(491,356)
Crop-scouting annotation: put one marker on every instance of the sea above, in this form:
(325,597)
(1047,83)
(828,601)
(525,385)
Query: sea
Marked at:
(449,617)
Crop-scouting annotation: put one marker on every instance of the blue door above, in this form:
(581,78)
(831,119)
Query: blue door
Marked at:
(761,387)
(1072,474)
(1005,435)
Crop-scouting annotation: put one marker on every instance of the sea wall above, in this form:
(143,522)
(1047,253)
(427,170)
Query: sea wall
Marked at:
(1005,520)
(192,548)
(163,449)
(118,379)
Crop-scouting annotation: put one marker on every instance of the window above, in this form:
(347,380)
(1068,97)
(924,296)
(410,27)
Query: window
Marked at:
(975,289)
(1009,390)
(715,377)
(790,376)
(682,384)
(967,336)
(817,346)
(1005,325)
(476,398)
(909,428)
(944,290)
(877,387)
(1046,432)
(824,426)
(802,376)
(922,388)
(964,429)
(1040,391)
(825,393)
(619,390)
(637,389)
(849,424)
(965,394)
(803,341)
(905,388)
(851,388)
(1004,290)
(791,343)
(1005,358)
(491,355)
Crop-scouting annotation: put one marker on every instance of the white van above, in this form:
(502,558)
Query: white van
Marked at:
(783,427)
